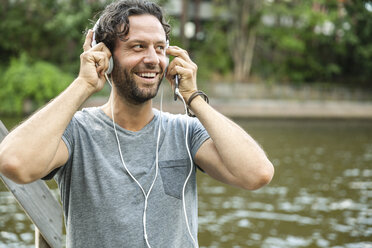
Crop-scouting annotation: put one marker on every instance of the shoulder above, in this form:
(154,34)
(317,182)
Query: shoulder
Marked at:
(177,124)
(88,118)
(86,113)
(174,119)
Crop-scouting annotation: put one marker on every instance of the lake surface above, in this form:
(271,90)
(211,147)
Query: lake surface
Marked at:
(321,194)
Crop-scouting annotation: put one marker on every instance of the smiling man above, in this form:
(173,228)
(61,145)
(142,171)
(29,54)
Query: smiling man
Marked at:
(139,81)
(125,170)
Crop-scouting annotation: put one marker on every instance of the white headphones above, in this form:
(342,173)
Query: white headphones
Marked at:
(94,42)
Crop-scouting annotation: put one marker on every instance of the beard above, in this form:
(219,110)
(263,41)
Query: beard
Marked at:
(127,87)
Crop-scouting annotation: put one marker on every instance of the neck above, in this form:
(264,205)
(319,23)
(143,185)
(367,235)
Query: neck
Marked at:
(132,117)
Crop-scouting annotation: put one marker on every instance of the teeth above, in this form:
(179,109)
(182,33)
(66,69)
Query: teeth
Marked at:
(147,75)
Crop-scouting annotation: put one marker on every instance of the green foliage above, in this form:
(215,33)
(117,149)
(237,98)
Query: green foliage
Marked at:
(294,48)
(46,29)
(27,81)
(212,54)
(316,40)
(291,43)
(356,58)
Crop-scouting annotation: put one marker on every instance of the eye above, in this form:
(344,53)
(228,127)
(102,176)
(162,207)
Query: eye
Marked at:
(137,47)
(160,48)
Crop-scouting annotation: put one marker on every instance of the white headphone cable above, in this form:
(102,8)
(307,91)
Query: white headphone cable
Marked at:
(157,164)
(191,169)
(156,158)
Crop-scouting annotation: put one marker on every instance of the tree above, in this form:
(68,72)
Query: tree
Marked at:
(46,29)
(40,46)
(356,55)
(315,41)
(28,84)
(245,16)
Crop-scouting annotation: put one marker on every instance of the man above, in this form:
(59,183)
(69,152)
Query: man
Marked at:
(102,158)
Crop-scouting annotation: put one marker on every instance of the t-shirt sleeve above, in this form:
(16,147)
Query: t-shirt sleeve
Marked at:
(67,138)
(198,135)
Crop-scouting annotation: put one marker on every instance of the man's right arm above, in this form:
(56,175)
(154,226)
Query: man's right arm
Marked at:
(35,147)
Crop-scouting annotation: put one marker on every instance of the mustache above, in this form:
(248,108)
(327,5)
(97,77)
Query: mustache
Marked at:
(145,67)
(140,67)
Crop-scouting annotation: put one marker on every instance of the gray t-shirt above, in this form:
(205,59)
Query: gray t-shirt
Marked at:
(103,206)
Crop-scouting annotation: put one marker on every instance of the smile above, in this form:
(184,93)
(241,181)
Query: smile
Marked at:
(147,75)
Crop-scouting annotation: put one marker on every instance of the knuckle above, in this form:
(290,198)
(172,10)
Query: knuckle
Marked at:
(83,55)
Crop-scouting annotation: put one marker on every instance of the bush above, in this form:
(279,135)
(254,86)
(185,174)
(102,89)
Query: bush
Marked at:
(26,85)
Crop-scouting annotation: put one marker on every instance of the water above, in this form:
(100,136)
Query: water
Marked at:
(321,194)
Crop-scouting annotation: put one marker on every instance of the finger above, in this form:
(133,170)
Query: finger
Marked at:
(101,61)
(181,62)
(102,48)
(174,67)
(178,48)
(176,62)
(97,59)
(170,78)
(178,52)
(101,68)
(183,73)
(88,40)
(171,72)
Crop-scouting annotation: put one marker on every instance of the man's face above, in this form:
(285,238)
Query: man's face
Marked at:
(140,60)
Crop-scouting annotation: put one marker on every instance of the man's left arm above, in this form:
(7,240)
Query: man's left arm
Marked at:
(231,155)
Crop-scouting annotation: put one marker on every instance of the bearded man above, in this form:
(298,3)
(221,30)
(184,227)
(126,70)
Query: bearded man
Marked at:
(125,169)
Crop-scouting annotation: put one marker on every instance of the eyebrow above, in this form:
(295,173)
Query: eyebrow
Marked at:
(129,41)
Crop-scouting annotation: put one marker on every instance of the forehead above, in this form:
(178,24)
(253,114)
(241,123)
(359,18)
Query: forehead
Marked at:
(146,27)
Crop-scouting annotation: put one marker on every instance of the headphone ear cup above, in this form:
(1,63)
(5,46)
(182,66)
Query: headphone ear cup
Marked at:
(111,66)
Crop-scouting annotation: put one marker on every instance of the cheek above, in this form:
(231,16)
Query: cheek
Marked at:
(128,64)
(126,60)
(164,62)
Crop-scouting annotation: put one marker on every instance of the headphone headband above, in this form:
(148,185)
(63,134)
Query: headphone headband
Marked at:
(94,42)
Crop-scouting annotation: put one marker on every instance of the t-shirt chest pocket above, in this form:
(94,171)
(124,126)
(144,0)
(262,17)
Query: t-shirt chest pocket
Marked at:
(173,174)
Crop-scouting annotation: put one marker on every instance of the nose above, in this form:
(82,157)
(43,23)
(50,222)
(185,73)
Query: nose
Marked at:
(151,57)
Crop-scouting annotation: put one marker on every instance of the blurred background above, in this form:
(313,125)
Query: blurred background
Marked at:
(295,74)
(269,49)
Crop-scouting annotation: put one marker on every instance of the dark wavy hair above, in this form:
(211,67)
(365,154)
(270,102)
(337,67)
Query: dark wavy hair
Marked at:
(118,13)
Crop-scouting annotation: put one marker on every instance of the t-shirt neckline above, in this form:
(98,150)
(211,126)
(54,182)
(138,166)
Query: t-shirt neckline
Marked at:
(145,129)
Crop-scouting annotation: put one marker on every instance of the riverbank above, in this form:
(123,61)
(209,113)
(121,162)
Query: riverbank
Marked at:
(268,108)
(275,101)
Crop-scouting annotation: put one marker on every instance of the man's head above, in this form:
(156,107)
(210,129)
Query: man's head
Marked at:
(136,34)
(114,20)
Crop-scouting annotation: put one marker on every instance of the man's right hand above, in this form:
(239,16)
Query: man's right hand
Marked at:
(94,62)
(20,156)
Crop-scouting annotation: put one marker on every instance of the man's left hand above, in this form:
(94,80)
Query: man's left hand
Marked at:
(185,68)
